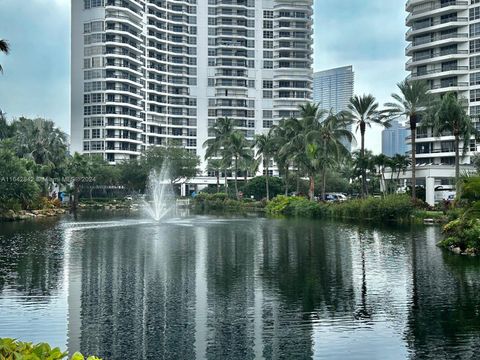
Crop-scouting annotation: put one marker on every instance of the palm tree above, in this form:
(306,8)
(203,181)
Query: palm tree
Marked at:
(297,146)
(237,148)
(40,140)
(364,112)
(265,144)
(400,164)
(412,102)
(220,134)
(363,165)
(382,161)
(324,144)
(280,134)
(43,143)
(5,48)
(449,115)
(215,165)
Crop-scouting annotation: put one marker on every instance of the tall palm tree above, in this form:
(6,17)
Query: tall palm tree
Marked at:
(216,165)
(363,165)
(297,144)
(382,161)
(237,148)
(412,102)
(325,143)
(364,112)
(265,144)
(281,135)
(220,134)
(5,48)
(449,115)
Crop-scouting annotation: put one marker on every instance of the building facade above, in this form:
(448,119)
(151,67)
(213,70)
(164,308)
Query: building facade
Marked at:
(394,140)
(333,89)
(160,72)
(444,50)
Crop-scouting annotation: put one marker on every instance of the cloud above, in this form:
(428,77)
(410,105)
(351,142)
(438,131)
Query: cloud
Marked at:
(36,81)
(370,35)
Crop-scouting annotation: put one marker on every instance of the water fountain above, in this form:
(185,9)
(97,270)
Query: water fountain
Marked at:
(160,196)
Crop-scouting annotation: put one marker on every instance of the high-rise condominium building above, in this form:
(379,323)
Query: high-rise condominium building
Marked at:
(444,50)
(160,72)
(333,89)
(394,139)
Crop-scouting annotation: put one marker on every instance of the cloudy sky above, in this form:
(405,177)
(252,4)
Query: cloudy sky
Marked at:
(368,34)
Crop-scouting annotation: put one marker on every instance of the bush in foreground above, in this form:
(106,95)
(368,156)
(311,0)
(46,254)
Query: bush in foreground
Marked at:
(11,349)
(464,232)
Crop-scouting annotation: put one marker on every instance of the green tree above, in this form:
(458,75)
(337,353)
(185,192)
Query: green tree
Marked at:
(6,130)
(216,166)
(449,116)
(265,145)
(412,102)
(400,163)
(133,175)
(5,48)
(256,187)
(17,184)
(382,161)
(328,135)
(363,112)
(363,167)
(79,168)
(219,135)
(281,135)
(237,148)
(41,141)
(181,163)
(297,148)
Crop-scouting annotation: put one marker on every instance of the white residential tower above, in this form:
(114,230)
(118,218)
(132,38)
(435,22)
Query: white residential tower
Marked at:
(160,72)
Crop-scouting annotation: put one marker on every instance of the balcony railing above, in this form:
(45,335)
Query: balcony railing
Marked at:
(453,84)
(439,70)
(438,5)
(437,38)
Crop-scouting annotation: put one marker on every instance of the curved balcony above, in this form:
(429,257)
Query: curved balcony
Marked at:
(439,72)
(436,40)
(436,25)
(437,56)
(437,9)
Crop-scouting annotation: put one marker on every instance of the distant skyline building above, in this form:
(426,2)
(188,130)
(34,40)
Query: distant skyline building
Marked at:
(394,139)
(158,73)
(333,89)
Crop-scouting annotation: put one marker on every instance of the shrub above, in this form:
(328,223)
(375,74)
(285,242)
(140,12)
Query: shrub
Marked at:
(397,208)
(14,349)
(462,233)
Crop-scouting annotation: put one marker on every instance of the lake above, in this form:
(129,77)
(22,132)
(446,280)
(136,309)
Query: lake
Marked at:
(238,287)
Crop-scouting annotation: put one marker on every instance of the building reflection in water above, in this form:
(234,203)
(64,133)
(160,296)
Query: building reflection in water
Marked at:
(211,291)
(257,288)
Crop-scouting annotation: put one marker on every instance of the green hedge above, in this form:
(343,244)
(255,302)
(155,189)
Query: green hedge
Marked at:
(11,349)
(222,201)
(395,208)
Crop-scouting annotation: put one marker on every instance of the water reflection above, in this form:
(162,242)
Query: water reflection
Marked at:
(243,288)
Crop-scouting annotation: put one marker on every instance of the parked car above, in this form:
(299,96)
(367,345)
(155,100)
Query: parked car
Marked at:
(335,197)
